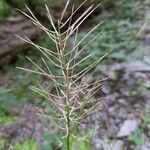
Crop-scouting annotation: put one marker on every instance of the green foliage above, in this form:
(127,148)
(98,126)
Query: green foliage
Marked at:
(136,137)
(17,93)
(50,141)
(53,141)
(6,118)
(14,96)
(8,101)
(25,145)
(125,9)
(45,41)
(2,143)
(83,145)
(138,88)
(5,10)
(146,118)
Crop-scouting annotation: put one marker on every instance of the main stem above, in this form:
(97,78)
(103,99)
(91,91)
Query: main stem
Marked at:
(68,134)
(67,112)
(67,91)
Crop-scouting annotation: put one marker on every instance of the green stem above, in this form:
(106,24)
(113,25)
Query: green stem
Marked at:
(68,115)
(68,135)
(66,83)
(68,112)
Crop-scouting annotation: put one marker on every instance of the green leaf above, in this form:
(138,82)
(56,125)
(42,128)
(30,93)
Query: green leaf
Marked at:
(51,141)
(81,145)
(146,118)
(25,145)
(136,137)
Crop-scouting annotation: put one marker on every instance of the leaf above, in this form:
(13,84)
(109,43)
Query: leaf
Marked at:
(51,142)
(136,137)
(146,118)
(82,145)
(26,145)
(9,101)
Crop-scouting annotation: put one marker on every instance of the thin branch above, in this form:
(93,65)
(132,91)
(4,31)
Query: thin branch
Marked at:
(73,14)
(51,20)
(64,10)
